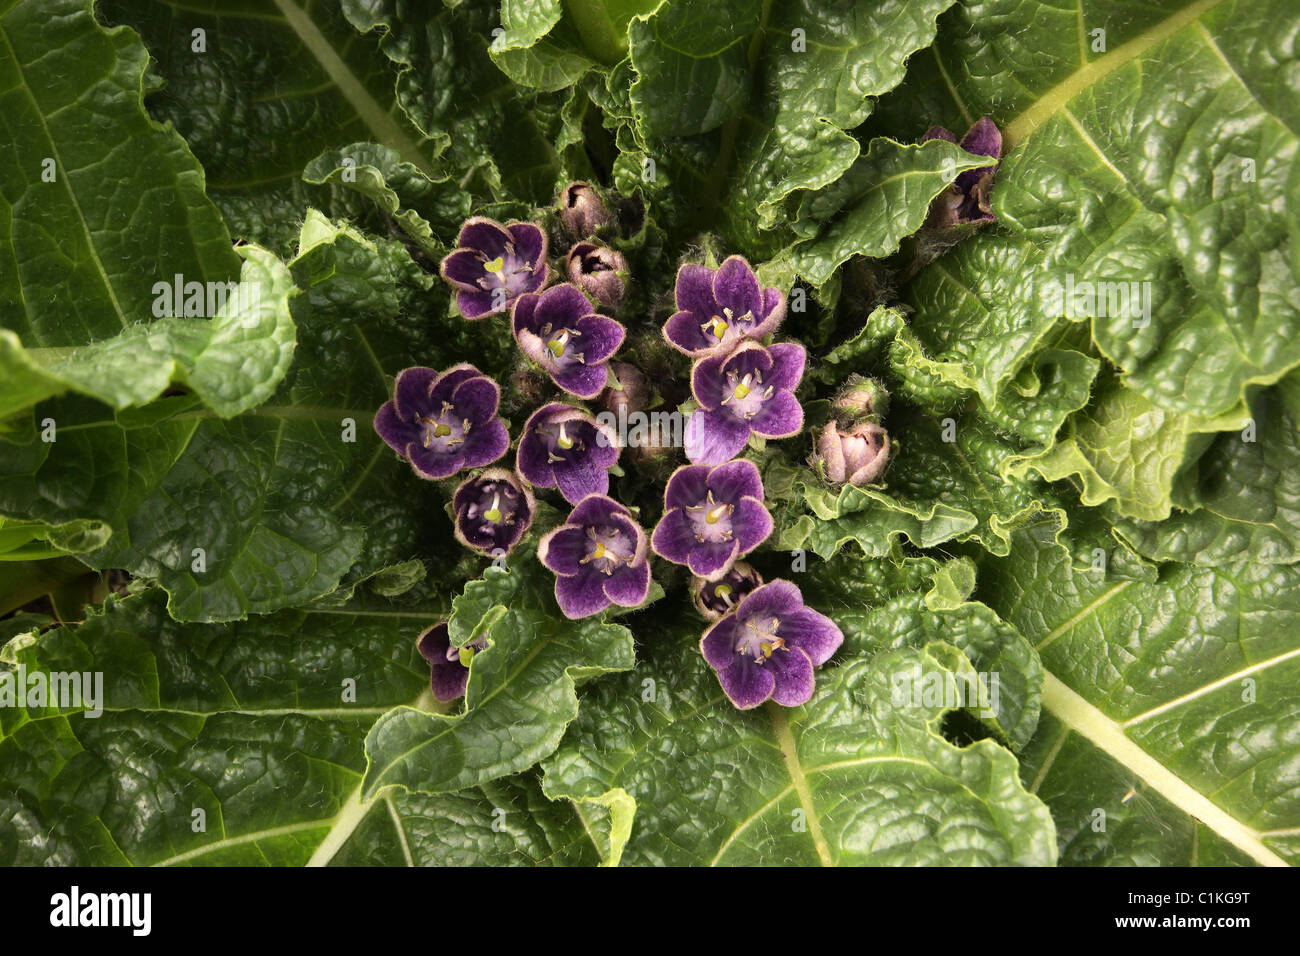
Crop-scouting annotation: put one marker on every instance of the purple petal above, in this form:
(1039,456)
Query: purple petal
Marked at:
(475,305)
(746,682)
(788,362)
(433,643)
(463,268)
(485,443)
(393,430)
(532,462)
(597,509)
(793,676)
(584,381)
(448,680)
(683,332)
(712,559)
(432,464)
(523,314)
(938,132)
(476,399)
(563,549)
(673,537)
(734,480)
(752,522)
(486,235)
(694,291)
(529,240)
(445,387)
(562,306)
(687,487)
(600,337)
(629,585)
(714,437)
(780,417)
(578,477)
(736,287)
(411,391)
(718,645)
(773,312)
(813,633)
(708,381)
(983,138)
(582,594)
(777,597)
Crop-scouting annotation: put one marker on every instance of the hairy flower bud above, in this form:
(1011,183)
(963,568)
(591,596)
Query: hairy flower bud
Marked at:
(857,456)
(632,394)
(597,271)
(861,399)
(582,211)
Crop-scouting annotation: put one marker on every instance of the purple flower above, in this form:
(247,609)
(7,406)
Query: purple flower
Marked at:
(443,422)
(599,558)
(747,390)
(563,447)
(493,510)
(559,331)
(495,264)
(768,647)
(597,271)
(857,455)
(448,666)
(716,598)
(712,515)
(719,307)
(967,200)
(582,211)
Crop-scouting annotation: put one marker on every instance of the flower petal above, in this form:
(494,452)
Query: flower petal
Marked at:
(793,677)
(712,559)
(752,523)
(687,487)
(584,381)
(434,465)
(411,391)
(718,645)
(529,240)
(629,585)
(983,138)
(523,314)
(673,537)
(812,632)
(714,437)
(463,268)
(788,360)
(597,509)
(395,432)
(563,549)
(734,480)
(747,683)
(476,305)
(476,399)
(486,235)
(581,595)
(562,306)
(736,288)
(485,443)
(694,291)
(578,477)
(938,132)
(600,337)
(683,332)
(708,381)
(780,417)
(775,597)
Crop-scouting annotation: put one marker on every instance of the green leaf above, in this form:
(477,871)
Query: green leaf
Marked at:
(714,785)
(521,692)
(1198,211)
(1167,679)
(525,53)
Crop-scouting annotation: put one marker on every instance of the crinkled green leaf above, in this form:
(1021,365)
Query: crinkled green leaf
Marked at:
(1187,685)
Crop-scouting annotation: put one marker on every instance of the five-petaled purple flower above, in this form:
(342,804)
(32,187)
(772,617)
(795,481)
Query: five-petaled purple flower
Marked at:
(448,666)
(599,557)
(564,447)
(967,200)
(495,264)
(716,598)
(746,390)
(768,647)
(719,307)
(493,510)
(443,422)
(560,332)
(712,515)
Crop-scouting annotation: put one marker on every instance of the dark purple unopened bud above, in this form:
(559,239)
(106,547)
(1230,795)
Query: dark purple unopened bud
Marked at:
(716,598)
(493,510)
(495,264)
(443,422)
(564,447)
(768,646)
(967,200)
(582,211)
(712,516)
(599,557)
(597,271)
(860,399)
(748,390)
(856,456)
(559,331)
(719,307)
(448,666)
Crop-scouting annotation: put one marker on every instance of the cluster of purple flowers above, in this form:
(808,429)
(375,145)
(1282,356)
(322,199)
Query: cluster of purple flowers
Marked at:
(762,641)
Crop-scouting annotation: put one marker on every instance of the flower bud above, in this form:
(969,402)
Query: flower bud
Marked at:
(713,599)
(632,395)
(857,456)
(597,271)
(582,211)
(861,399)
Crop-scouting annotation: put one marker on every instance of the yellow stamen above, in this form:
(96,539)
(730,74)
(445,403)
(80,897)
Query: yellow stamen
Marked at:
(564,441)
